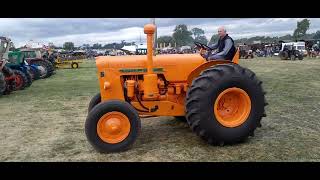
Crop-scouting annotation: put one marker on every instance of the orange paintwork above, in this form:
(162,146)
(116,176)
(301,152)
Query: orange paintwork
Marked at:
(166,108)
(178,69)
(113,127)
(149,28)
(232,107)
(236,57)
(130,88)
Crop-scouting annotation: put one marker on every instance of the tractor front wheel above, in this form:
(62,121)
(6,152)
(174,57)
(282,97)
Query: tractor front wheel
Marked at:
(225,104)
(112,126)
(94,101)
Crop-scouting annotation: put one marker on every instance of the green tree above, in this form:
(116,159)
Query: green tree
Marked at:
(166,40)
(97,46)
(197,32)
(68,46)
(317,35)
(198,35)
(182,36)
(302,28)
(214,39)
(201,39)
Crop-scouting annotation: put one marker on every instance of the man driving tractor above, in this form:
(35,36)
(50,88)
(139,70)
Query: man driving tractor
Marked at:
(225,47)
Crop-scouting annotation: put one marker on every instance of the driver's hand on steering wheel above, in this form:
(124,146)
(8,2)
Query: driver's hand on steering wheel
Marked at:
(205,55)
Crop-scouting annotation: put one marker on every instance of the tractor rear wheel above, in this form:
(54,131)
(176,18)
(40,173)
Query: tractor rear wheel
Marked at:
(2,83)
(225,104)
(21,80)
(94,101)
(44,67)
(50,67)
(112,126)
(29,78)
(283,55)
(10,79)
(181,118)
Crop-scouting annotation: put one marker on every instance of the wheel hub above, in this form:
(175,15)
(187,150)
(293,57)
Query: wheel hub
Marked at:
(232,107)
(18,80)
(113,127)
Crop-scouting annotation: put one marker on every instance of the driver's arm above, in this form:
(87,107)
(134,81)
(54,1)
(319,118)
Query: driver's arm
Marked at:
(214,46)
(226,49)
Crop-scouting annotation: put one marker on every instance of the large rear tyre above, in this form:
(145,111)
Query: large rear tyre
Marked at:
(20,79)
(112,126)
(181,118)
(2,83)
(44,68)
(29,78)
(10,79)
(225,104)
(50,68)
(283,55)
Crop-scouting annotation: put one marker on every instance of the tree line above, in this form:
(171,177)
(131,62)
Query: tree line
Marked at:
(182,36)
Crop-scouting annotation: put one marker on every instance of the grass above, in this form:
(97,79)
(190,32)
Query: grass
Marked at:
(45,122)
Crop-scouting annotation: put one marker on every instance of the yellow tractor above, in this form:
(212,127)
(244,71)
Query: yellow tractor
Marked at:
(222,102)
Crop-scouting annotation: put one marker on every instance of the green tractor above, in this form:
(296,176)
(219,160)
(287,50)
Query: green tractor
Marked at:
(22,71)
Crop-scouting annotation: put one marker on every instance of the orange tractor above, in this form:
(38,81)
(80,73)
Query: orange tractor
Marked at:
(222,102)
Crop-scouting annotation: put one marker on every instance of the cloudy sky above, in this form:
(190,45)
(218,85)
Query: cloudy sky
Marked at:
(98,30)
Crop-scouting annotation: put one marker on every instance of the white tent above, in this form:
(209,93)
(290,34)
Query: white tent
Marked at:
(141,46)
(34,45)
(130,48)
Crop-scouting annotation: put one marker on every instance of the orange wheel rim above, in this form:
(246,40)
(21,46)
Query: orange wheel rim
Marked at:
(19,81)
(113,127)
(232,107)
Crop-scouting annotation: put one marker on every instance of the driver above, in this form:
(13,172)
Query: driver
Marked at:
(225,47)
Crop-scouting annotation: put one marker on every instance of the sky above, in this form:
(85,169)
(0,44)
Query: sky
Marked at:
(109,30)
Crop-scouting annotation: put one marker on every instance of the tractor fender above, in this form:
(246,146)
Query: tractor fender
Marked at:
(196,72)
(31,60)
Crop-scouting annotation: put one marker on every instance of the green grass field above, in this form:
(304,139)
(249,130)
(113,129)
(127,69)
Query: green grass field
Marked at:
(45,122)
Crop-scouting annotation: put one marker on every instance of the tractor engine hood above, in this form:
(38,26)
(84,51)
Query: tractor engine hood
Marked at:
(176,67)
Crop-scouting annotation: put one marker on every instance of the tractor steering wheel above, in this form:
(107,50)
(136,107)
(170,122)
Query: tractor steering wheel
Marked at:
(203,46)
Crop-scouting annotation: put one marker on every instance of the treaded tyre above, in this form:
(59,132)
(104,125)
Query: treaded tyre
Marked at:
(74,65)
(181,118)
(21,79)
(44,65)
(225,104)
(10,84)
(50,68)
(94,101)
(29,78)
(112,126)
(2,83)
(283,55)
